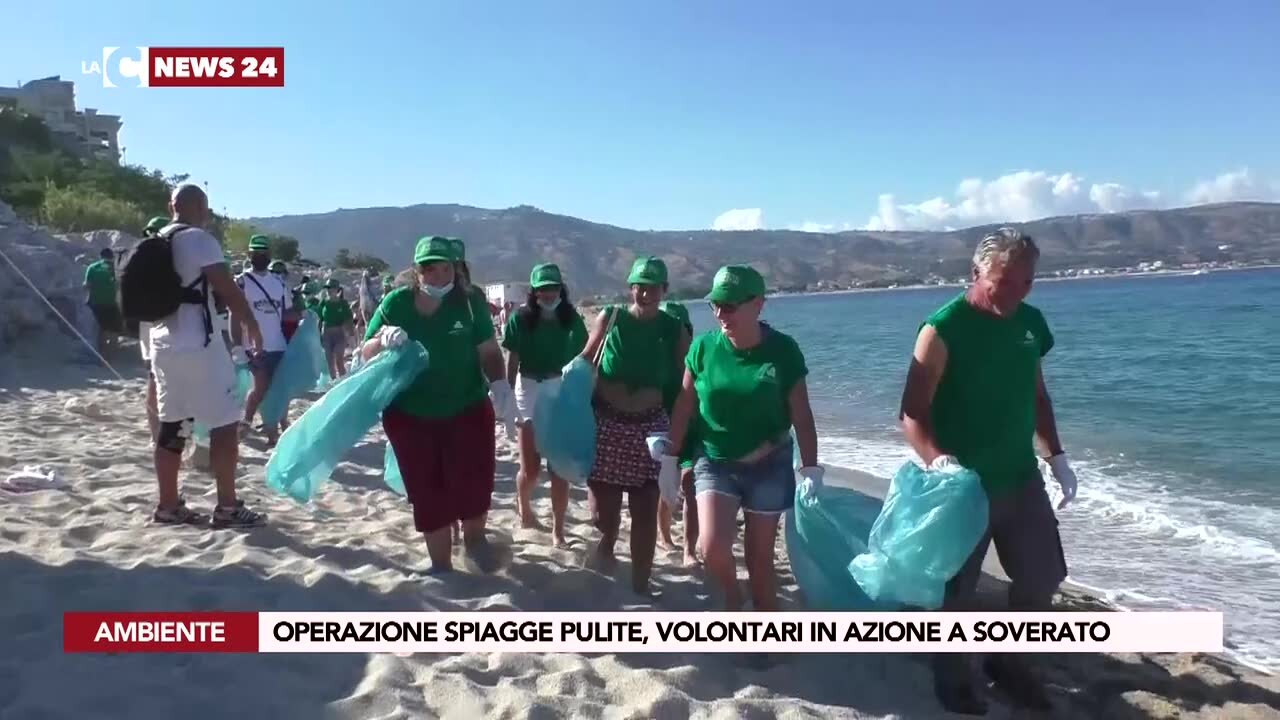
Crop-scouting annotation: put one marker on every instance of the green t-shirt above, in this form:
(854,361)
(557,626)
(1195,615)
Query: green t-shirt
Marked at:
(548,347)
(743,395)
(454,380)
(641,354)
(101,279)
(984,409)
(334,313)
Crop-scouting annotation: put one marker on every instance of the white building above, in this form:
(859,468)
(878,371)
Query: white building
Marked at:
(53,100)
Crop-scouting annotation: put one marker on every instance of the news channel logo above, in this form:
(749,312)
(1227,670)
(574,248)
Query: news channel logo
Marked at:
(115,68)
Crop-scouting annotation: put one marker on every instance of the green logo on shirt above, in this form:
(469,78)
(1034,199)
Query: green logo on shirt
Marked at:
(457,328)
(767,373)
(1029,339)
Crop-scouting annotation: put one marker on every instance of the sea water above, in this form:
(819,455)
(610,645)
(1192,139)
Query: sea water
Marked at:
(1167,394)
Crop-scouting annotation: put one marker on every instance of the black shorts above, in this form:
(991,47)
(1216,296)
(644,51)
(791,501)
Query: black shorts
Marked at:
(108,318)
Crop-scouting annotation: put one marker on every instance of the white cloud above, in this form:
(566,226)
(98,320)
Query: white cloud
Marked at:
(810,226)
(1016,197)
(1234,186)
(740,219)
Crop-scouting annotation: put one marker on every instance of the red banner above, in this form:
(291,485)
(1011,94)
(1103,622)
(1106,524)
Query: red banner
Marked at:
(215,66)
(167,632)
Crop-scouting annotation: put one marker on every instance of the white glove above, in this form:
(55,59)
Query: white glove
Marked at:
(669,480)
(504,401)
(945,463)
(239,356)
(660,446)
(1065,477)
(813,475)
(392,336)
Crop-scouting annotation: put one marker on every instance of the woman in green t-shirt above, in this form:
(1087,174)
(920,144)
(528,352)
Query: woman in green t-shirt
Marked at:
(639,348)
(541,338)
(746,384)
(337,323)
(441,427)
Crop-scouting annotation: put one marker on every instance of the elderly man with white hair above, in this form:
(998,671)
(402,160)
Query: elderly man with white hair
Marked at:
(975,397)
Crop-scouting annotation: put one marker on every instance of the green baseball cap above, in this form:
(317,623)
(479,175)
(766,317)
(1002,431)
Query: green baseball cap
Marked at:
(311,288)
(259,242)
(277,266)
(459,249)
(677,311)
(332,283)
(648,271)
(157,223)
(544,275)
(735,284)
(433,248)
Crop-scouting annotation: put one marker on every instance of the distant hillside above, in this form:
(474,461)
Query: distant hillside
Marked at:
(504,244)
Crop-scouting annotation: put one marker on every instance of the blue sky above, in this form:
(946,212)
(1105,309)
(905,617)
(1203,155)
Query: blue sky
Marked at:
(667,115)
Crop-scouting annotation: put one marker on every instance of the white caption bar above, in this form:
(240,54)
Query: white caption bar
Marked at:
(721,632)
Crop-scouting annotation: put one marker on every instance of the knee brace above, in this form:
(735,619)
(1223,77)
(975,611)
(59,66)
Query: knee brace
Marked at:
(173,435)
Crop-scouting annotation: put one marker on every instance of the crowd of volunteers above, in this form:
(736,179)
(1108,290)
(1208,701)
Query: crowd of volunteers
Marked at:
(728,409)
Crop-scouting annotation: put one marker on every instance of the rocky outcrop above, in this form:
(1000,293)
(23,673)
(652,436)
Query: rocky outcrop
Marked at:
(48,267)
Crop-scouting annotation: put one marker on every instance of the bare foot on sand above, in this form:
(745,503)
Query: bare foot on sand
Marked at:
(480,552)
(603,559)
(691,560)
(558,541)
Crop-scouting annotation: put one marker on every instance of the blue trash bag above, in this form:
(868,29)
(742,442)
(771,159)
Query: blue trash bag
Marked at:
(391,471)
(823,534)
(244,383)
(315,443)
(298,372)
(564,423)
(930,524)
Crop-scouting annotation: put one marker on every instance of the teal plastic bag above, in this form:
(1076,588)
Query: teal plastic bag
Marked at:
(928,528)
(298,372)
(823,534)
(315,443)
(391,471)
(564,423)
(244,383)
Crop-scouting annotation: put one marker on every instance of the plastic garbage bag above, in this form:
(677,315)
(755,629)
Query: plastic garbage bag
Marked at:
(298,372)
(824,533)
(312,446)
(391,471)
(930,524)
(244,383)
(564,423)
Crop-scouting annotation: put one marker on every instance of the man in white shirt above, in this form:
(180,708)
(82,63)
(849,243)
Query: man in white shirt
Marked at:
(268,297)
(194,373)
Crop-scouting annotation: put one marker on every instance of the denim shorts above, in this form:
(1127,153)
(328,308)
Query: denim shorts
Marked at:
(767,486)
(266,361)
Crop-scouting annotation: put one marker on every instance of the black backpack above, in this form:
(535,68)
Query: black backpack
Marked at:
(148,285)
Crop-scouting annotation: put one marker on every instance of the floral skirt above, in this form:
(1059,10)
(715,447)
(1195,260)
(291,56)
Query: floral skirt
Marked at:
(622,453)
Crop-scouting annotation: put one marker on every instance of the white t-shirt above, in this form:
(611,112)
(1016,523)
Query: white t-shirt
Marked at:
(144,340)
(268,307)
(193,250)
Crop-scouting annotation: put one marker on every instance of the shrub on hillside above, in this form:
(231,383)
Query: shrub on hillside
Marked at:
(80,209)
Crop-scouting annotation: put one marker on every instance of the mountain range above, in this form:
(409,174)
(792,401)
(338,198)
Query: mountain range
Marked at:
(502,245)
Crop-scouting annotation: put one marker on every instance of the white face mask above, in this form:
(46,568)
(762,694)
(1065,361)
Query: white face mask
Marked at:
(549,306)
(437,291)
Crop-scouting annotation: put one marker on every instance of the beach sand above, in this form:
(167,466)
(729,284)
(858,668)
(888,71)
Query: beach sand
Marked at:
(92,547)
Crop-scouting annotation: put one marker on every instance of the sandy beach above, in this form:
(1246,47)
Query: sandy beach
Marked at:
(92,547)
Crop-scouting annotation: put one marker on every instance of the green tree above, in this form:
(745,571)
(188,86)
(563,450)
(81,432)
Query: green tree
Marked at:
(80,209)
(284,248)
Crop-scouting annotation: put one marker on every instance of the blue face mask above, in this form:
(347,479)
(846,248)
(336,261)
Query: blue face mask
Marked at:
(549,306)
(437,291)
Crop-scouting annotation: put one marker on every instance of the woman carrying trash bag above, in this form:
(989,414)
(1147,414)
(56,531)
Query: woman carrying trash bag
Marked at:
(747,383)
(337,323)
(666,510)
(541,339)
(442,427)
(642,348)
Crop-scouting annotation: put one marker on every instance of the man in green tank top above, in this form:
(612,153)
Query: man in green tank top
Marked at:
(975,397)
